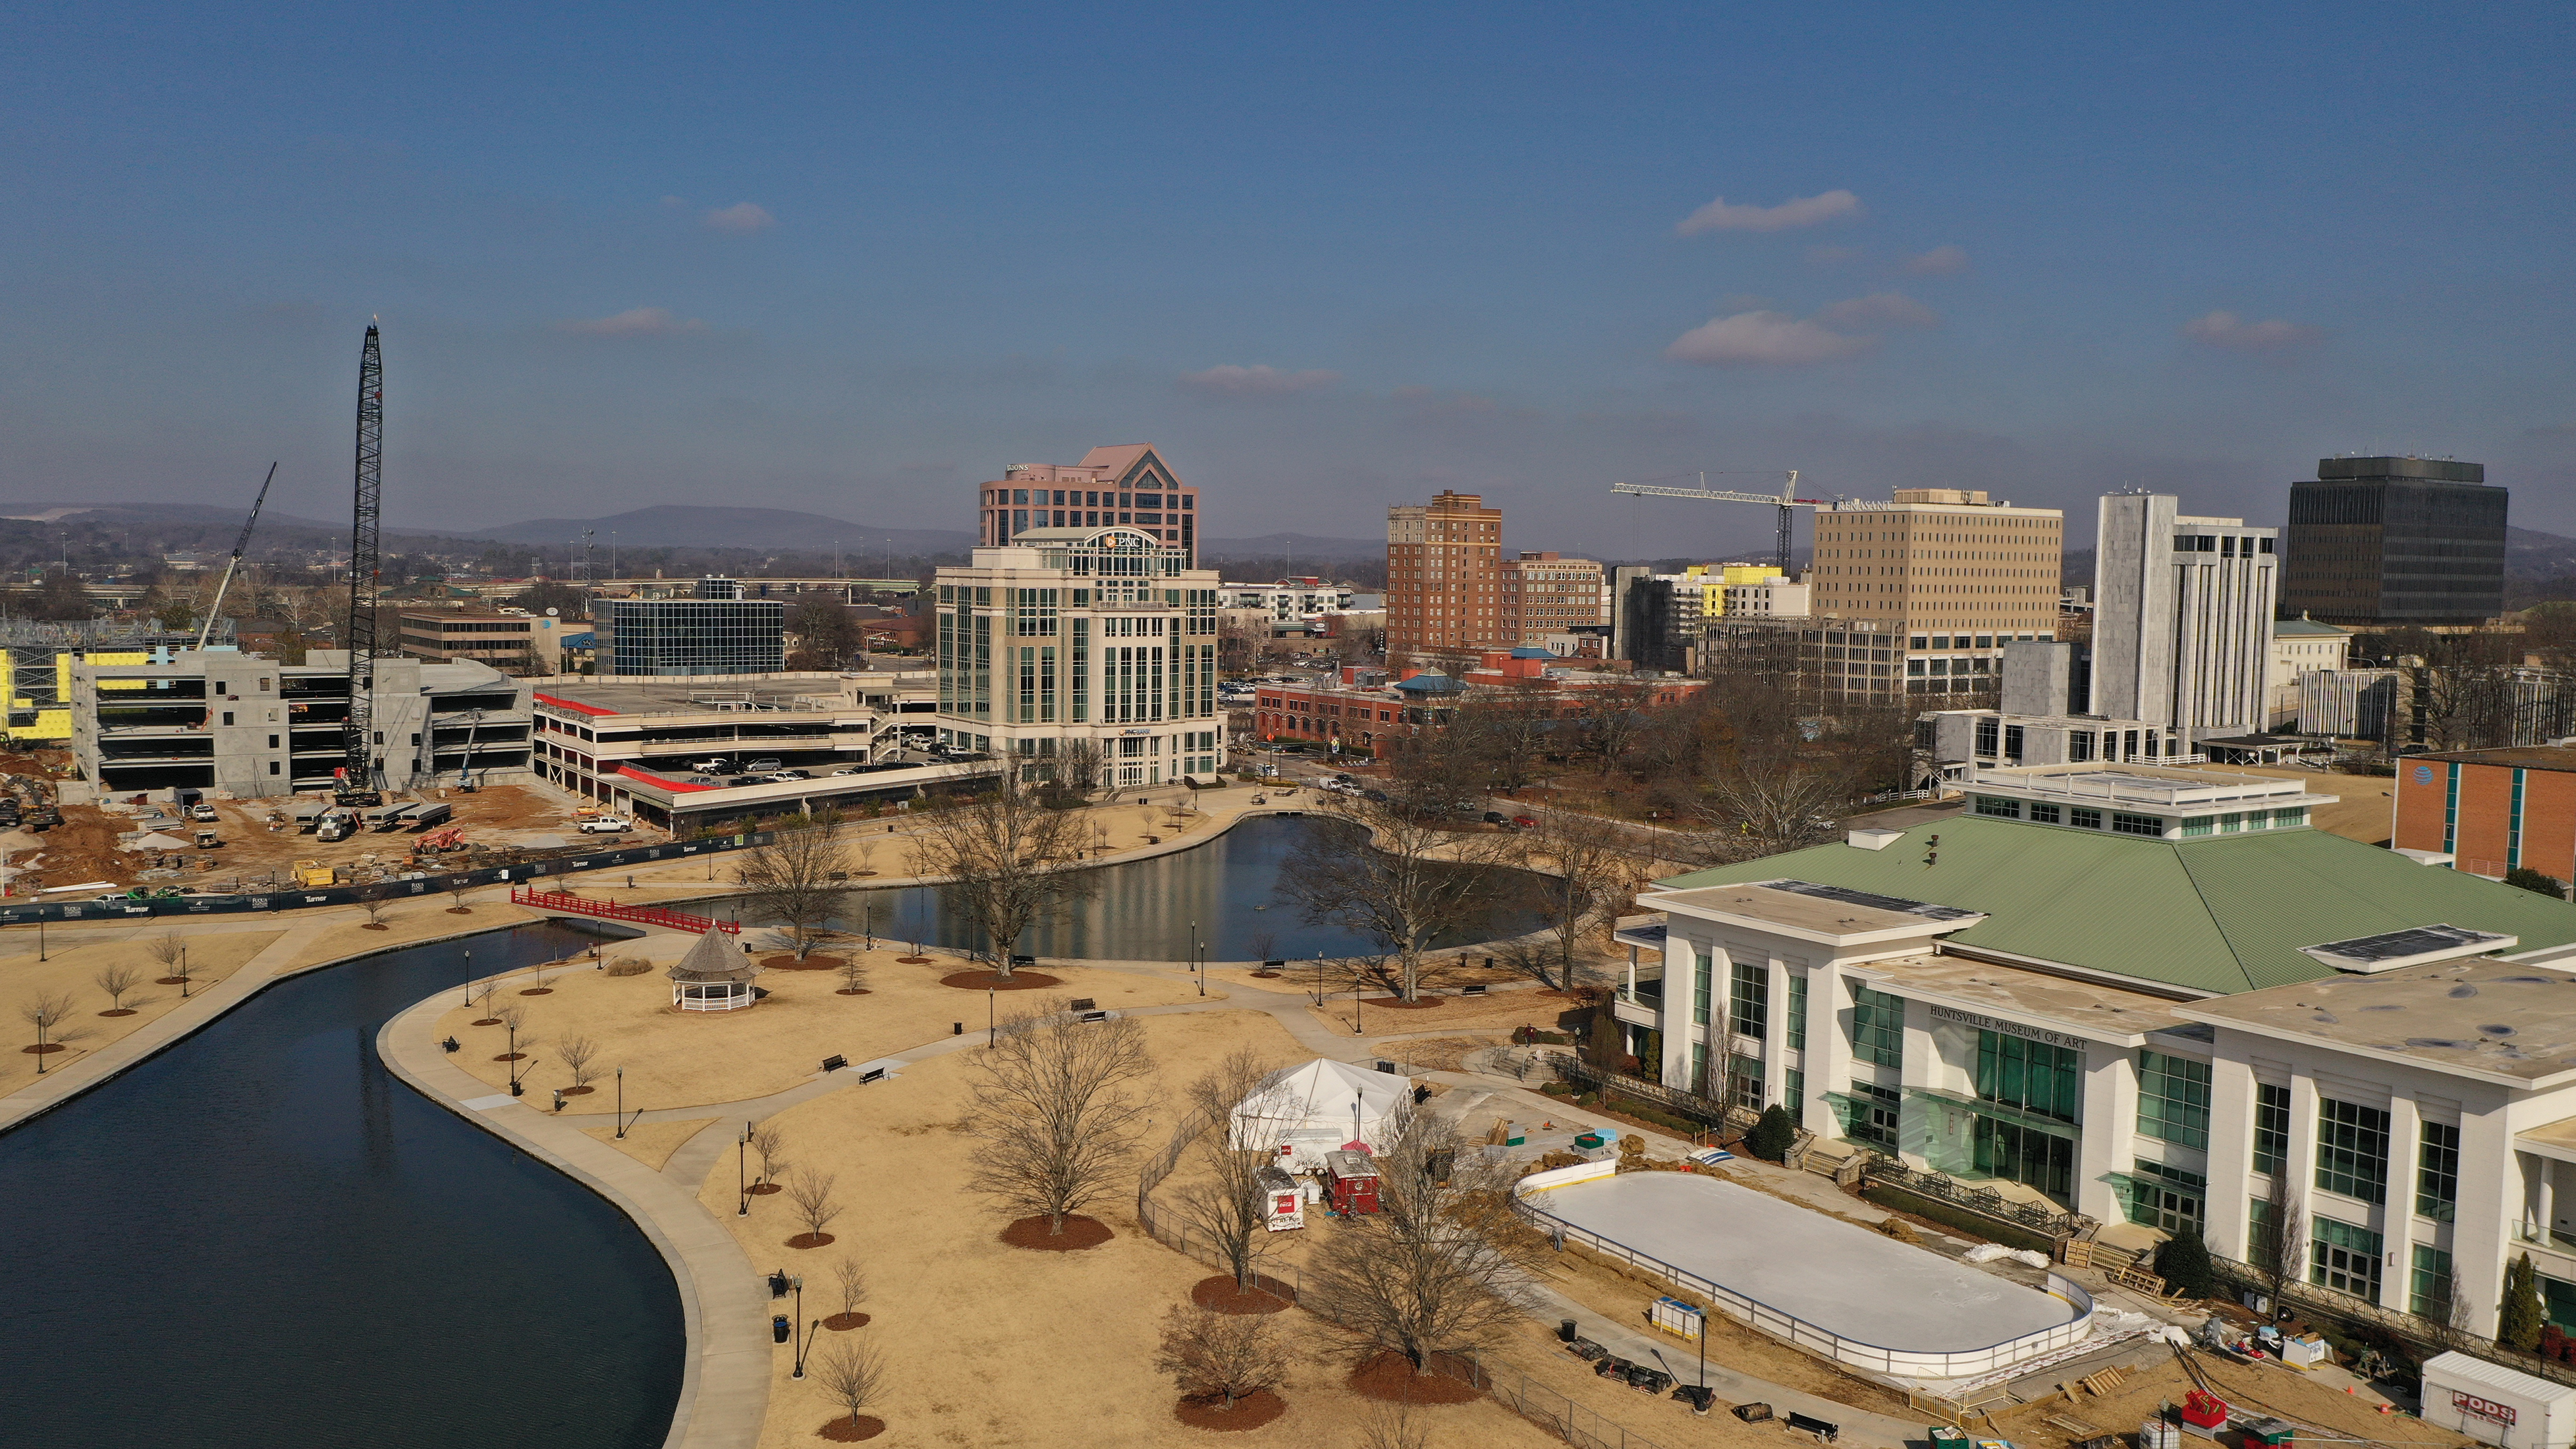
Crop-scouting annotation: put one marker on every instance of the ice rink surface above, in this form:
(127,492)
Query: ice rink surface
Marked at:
(1846,1280)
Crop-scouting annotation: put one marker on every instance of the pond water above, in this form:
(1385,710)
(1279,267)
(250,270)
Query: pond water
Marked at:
(1145,910)
(261,1238)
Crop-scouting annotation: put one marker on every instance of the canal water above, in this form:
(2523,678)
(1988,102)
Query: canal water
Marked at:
(1224,893)
(260,1238)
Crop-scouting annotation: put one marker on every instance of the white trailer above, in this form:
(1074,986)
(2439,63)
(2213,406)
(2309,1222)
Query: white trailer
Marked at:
(2498,1405)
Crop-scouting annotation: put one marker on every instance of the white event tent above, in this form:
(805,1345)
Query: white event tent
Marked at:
(1320,1107)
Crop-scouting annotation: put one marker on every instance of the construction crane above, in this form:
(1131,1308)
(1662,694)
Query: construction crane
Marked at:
(216,611)
(1785,500)
(358,772)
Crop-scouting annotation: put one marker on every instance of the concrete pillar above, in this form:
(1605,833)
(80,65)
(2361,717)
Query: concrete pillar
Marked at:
(1775,1043)
(1829,1047)
(2405,1127)
(2229,1221)
(2301,1161)
(2490,1197)
(2110,1116)
(1681,958)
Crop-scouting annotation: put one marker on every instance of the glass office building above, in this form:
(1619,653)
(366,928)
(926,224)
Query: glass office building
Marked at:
(2393,542)
(692,636)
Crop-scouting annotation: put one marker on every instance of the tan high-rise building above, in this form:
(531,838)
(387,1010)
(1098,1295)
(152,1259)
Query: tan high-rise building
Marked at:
(1547,593)
(1930,587)
(1444,575)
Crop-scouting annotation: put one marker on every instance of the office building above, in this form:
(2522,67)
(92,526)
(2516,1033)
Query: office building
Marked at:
(1288,605)
(2302,646)
(707,635)
(506,641)
(2182,620)
(2393,542)
(1547,593)
(1953,575)
(1444,576)
(1128,486)
(2150,996)
(1104,635)
(2490,811)
(250,726)
(1361,711)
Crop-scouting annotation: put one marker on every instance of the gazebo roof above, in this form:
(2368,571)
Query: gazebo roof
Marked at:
(714,957)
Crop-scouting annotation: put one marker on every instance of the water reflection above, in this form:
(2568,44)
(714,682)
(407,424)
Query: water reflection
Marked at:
(1144,910)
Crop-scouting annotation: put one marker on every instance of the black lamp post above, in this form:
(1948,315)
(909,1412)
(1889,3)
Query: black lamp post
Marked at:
(802,1341)
(742,1172)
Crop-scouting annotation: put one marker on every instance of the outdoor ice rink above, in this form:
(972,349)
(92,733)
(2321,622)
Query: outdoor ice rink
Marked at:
(1847,1280)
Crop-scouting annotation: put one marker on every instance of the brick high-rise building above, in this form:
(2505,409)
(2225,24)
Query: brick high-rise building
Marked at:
(1928,588)
(1127,486)
(1546,593)
(1444,575)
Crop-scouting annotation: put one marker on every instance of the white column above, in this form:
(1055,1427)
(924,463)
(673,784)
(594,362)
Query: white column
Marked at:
(1681,957)
(2397,1266)
(2110,1118)
(1829,1048)
(1775,1043)
(2228,1224)
(2301,1162)
(2490,1199)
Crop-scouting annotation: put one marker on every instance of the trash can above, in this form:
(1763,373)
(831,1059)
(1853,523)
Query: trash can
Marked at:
(778,1328)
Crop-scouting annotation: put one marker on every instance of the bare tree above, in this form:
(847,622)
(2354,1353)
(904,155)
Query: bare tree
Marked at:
(375,907)
(1053,1110)
(1221,1356)
(1078,764)
(579,1054)
(852,1376)
(1580,876)
(1392,1426)
(850,1282)
(795,879)
(770,1141)
(484,991)
(1412,877)
(457,887)
(170,949)
(1615,714)
(1763,803)
(1240,1112)
(514,1019)
(1444,1263)
(2281,1239)
(809,1195)
(1007,858)
(854,974)
(115,980)
(46,1012)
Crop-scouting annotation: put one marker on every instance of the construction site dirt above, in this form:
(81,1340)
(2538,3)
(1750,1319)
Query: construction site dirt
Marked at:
(260,845)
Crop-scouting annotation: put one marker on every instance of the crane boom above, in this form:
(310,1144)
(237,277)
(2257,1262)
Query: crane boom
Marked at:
(216,610)
(1784,500)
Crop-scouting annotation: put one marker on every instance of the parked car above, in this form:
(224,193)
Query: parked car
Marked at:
(786,777)
(714,766)
(202,811)
(760,767)
(606,825)
(1525,822)
(1496,817)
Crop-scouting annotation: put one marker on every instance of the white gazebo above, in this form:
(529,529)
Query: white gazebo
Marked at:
(715,975)
(1323,1106)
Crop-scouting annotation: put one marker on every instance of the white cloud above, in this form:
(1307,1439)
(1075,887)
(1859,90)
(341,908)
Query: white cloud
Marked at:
(2226,329)
(1880,309)
(634,322)
(1787,216)
(742,218)
(1939,262)
(1764,339)
(1259,380)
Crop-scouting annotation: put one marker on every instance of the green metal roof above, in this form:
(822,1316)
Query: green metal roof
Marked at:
(2221,914)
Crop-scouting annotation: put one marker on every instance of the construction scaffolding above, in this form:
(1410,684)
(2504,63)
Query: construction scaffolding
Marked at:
(41,655)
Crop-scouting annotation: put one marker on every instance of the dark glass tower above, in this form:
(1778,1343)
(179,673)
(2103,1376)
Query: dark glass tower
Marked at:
(2394,541)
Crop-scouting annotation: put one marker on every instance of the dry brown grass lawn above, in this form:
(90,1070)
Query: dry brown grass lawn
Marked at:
(407,922)
(1500,1011)
(688,1059)
(650,1143)
(70,969)
(992,1346)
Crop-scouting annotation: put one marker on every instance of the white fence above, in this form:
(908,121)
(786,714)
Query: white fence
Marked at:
(1880,1358)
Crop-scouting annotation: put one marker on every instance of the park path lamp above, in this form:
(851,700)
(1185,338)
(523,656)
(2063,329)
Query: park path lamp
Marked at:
(621,1102)
(742,1173)
(803,1340)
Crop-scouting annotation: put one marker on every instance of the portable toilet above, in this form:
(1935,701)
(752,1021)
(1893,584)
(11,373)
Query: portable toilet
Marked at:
(1283,1205)
(1351,1179)
(2497,1405)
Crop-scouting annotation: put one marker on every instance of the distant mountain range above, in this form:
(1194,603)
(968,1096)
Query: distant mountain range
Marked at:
(674,525)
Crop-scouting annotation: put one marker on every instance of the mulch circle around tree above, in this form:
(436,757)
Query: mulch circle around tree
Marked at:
(787,961)
(851,991)
(1249,1412)
(844,1322)
(1390,1376)
(579,1091)
(1079,1232)
(847,1430)
(914,960)
(47,1048)
(764,1189)
(996,981)
(172,980)
(1397,1003)
(375,926)
(486,1021)
(811,1240)
(119,1011)
(511,1057)
(460,910)
(1218,1294)
(537,991)
(1268,975)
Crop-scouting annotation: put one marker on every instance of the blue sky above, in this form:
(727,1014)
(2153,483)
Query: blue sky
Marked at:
(855,258)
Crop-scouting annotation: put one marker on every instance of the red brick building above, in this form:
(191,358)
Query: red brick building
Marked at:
(2491,810)
(1364,712)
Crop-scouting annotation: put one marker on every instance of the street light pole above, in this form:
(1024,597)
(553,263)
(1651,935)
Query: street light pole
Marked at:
(621,1103)
(801,1340)
(742,1172)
